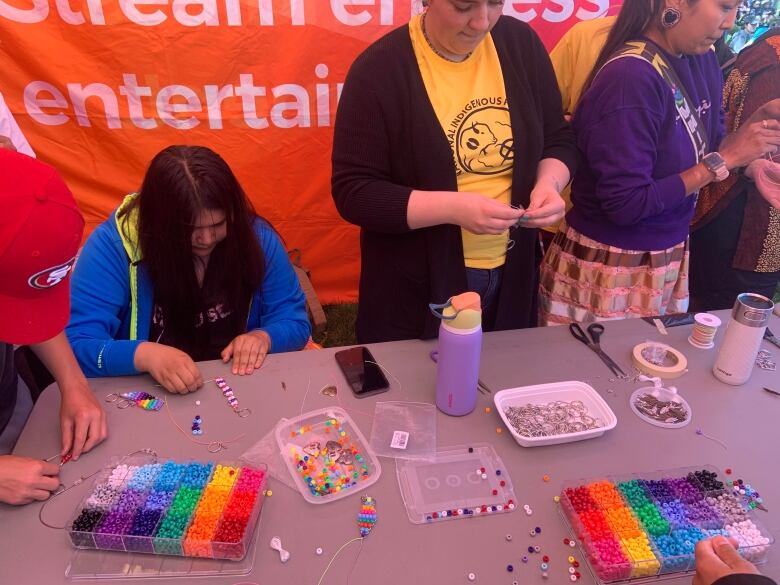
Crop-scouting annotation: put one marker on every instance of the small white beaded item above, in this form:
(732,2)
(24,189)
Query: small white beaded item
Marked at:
(227,392)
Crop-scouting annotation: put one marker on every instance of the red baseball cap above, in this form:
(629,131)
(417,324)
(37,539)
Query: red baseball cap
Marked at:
(40,233)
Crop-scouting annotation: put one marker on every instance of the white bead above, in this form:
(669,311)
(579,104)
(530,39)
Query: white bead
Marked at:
(472,577)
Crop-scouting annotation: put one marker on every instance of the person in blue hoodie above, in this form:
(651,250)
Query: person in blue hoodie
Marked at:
(184,271)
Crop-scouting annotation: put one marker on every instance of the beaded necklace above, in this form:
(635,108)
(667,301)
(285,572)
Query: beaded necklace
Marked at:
(434,49)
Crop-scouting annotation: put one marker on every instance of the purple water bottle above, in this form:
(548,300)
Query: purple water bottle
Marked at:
(460,345)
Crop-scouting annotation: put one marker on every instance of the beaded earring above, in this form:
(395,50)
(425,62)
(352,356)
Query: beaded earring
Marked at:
(670,17)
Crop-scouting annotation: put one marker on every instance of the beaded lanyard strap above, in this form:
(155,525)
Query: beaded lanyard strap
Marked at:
(227,392)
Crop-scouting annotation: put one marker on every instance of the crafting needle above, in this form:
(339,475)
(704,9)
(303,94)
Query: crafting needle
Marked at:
(772,391)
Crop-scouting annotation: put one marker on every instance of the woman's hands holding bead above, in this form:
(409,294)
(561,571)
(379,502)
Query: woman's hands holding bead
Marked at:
(546,208)
(248,351)
(482,215)
(173,369)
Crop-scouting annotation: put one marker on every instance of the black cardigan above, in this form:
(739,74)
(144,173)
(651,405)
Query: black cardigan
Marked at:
(388,141)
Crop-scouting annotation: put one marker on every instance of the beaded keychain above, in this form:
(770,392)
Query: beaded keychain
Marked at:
(141,399)
(365,521)
(227,392)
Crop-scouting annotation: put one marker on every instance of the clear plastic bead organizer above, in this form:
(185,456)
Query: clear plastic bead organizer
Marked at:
(642,527)
(466,481)
(138,504)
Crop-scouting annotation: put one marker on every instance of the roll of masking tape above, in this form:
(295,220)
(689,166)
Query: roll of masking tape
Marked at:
(659,359)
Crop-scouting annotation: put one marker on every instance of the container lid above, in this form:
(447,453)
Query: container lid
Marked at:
(661,406)
(327,455)
(463,481)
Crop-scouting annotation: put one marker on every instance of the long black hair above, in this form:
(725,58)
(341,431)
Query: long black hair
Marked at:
(633,20)
(182,181)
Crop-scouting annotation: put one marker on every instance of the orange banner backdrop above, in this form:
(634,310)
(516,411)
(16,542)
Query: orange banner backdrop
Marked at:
(100,86)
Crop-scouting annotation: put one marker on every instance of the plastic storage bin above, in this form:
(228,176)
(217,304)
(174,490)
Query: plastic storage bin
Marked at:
(327,455)
(199,509)
(642,525)
(541,394)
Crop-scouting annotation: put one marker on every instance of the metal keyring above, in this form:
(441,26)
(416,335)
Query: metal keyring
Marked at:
(124,403)
(219,447)
(113,397)
(244,412)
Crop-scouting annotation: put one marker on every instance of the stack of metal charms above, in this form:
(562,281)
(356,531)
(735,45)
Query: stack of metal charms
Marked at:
(553,418)
(764,360)
(665,411)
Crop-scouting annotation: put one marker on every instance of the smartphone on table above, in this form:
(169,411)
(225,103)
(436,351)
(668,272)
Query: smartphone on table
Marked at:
(363,375)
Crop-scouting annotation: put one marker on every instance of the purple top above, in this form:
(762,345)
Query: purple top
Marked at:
(629,192)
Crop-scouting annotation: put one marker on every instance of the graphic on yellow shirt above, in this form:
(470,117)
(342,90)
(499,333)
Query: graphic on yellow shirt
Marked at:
(470,102)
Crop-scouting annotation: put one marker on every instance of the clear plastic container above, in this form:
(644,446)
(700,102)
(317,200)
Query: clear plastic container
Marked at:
(133,520)
(664,511)
(327,455)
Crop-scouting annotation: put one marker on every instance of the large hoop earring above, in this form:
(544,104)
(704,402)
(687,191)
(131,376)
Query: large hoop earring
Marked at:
(670,17)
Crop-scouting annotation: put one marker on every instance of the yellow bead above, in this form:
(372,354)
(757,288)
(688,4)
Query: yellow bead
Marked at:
(498,430)
(487,410)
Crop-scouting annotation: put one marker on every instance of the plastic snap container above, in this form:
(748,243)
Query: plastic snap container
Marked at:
(201,509)
(327,455)
(635,526)
(578,404)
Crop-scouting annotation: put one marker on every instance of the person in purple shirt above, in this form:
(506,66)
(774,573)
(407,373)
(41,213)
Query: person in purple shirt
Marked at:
(650,130)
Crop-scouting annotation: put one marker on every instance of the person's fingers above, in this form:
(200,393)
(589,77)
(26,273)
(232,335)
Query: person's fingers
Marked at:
(80,436)
(39,495)
(195,372)
(49,469)
(227,353)
(238,348)
(254,351)
(246,353)
(187,378)
(726,552)
(176,383)
(93,435)
(67,436)
(47,483)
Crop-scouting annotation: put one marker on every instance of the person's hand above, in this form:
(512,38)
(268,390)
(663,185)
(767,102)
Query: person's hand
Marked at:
(173,369)
(6,143)
(546,206)
(82,419)
(23,480)
(750,142)
(248,351)
(481,215)
(716,558)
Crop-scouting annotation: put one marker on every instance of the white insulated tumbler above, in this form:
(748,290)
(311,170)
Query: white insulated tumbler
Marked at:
(737,356)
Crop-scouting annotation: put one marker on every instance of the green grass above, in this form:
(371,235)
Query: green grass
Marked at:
(340,329)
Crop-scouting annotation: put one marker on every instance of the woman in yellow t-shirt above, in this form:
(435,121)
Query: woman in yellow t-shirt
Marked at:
(449,134)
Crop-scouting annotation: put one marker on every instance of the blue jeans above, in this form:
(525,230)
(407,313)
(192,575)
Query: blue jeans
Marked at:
(486,282)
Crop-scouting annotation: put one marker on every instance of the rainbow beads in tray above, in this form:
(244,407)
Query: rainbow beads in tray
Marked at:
(327,455)
(644,525)
(191,509)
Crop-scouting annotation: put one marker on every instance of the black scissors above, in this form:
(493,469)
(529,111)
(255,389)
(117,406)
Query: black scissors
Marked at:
(594,331)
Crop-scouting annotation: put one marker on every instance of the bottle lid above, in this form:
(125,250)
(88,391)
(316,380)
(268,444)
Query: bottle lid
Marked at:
(463,311)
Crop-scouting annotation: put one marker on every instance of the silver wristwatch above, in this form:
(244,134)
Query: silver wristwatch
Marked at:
(716,165)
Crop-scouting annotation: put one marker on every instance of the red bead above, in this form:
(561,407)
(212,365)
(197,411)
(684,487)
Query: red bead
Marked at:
(728,471)
(495,492)
(566,541)
(546,559)
(575,564)
(502,483)
(435,514)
